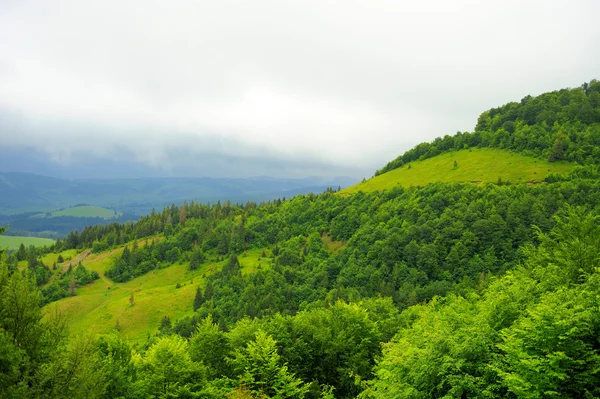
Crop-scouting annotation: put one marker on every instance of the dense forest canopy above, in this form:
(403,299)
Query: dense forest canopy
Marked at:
(451,290)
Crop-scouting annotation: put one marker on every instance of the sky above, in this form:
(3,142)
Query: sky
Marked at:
(277,88)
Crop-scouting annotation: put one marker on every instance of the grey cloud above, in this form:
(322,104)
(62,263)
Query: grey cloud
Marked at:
(297,87)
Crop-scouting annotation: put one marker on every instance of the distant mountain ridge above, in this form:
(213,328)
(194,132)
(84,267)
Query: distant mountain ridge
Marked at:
(24,191)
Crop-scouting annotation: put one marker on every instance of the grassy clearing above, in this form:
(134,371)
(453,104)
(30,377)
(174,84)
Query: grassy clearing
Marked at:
(477,165)
(330,245)
(87,211)
(13,242)
(99,307)
(67,256)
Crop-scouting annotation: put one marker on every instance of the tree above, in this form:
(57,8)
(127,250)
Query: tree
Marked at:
(115,361)
(73,372)
(554,349)
(232,267)
(72,291)
(558,149)
(167,371)
(32,261)
(20,311)
(198,299)
(259,367)
(196,259)
(21,253)
(210,346)
(165,327)
(182,214)
(209,290)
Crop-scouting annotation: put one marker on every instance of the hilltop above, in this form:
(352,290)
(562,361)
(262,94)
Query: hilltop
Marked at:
(560,125)
(477,165)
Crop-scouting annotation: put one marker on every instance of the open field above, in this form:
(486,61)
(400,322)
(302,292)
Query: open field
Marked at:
(477,165)
(13,242)
(101,306)
(87,211)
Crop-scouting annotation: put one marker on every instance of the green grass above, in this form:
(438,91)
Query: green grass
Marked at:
(67,255)
(86,211)
(98,306)
(330,245)
(13,242)
(478,165)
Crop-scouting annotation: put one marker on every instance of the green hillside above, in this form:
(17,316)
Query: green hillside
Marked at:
(103,305)
(477,165)
(13,242)
(87,211)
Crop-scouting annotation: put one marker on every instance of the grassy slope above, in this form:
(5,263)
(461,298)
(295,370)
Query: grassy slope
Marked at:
(478,165)
(67,255)
(13,242)
(86,211)
(99,305)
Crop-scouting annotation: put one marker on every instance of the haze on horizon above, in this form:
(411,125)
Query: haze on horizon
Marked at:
(287,89)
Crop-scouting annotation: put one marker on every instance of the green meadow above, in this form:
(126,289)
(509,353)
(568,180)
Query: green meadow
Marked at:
(68,256)
(13,242)
(477,165)
(104,306)
(86,211)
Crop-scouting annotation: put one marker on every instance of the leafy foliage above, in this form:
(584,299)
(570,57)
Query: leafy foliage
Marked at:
(532,333)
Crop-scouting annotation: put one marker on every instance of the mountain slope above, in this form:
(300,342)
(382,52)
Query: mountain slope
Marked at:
(477,165)
(104,306)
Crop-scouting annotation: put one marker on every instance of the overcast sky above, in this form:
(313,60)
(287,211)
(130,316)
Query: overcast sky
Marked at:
(283,88)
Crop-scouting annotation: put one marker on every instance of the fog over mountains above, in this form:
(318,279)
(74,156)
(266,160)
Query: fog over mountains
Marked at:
(35,192)
(284,89)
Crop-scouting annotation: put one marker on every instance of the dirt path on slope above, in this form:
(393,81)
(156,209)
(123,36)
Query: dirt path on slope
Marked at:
(76,259)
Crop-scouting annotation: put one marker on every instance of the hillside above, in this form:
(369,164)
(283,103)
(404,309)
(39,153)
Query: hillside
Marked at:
(104,306)
(383,252)
(477,165)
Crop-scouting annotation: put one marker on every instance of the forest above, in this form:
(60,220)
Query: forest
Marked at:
(448,290)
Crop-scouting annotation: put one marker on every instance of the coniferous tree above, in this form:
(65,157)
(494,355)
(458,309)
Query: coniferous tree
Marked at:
(198,299)
(196,259)
(21,253)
